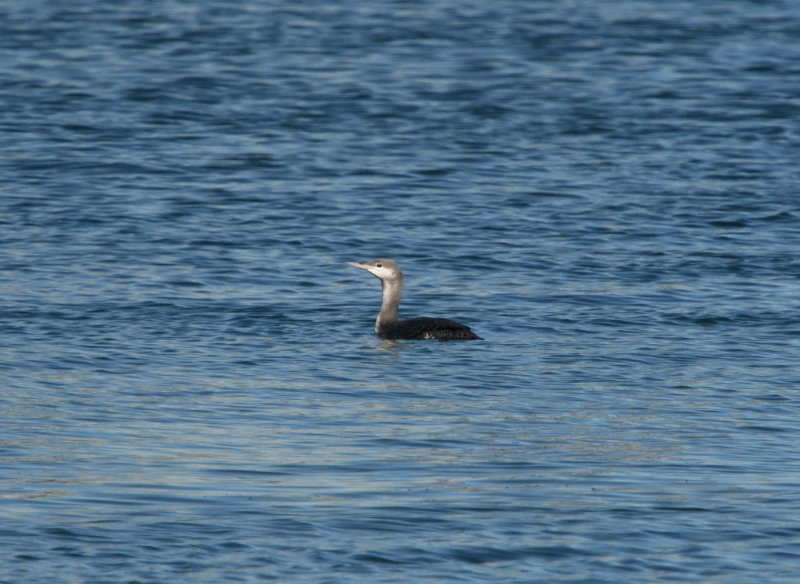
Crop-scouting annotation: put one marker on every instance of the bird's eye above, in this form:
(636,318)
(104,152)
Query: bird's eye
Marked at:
(378,265)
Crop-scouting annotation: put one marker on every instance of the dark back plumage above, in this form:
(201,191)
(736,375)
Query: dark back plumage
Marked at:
(425,327)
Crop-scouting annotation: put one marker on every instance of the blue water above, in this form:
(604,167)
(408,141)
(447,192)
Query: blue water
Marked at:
(606,192)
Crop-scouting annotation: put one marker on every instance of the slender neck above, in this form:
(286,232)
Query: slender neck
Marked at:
(392,291)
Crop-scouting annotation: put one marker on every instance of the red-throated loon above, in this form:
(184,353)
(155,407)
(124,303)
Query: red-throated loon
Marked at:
(389,327)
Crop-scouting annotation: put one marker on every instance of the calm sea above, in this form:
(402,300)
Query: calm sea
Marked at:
(607,192)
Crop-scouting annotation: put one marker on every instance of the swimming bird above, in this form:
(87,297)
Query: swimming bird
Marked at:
(389,327)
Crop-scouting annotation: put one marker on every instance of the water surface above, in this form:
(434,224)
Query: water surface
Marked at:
(606,192)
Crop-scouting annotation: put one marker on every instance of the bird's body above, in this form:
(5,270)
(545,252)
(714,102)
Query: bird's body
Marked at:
(389,326)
